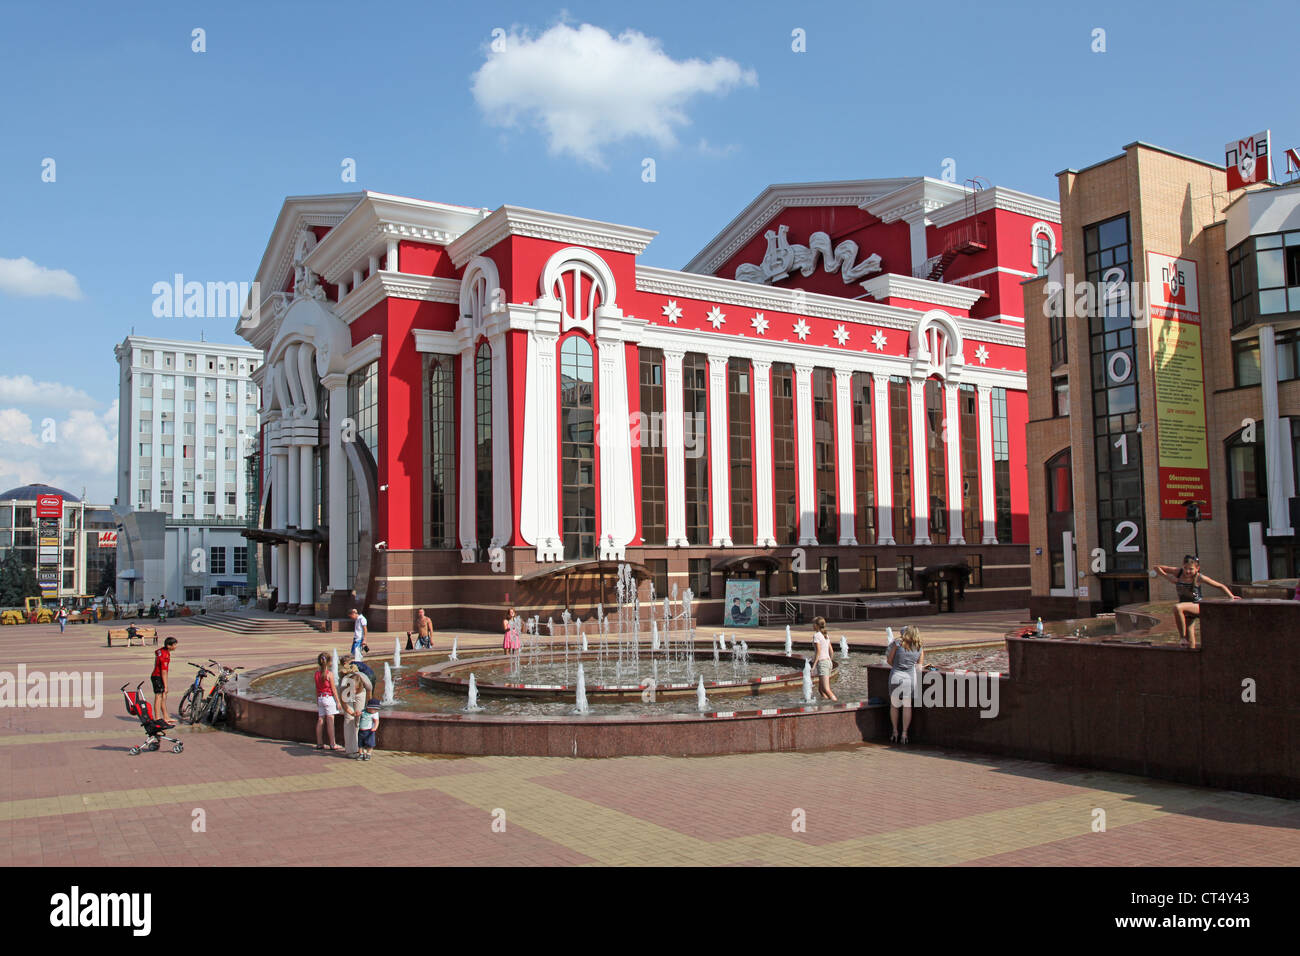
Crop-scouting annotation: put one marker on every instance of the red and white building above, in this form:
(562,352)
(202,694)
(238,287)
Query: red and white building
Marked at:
(464,408)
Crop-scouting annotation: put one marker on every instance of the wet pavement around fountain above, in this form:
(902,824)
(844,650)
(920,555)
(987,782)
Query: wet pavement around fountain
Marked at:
(70,794)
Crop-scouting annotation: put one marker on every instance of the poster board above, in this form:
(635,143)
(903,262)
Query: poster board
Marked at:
(741,607)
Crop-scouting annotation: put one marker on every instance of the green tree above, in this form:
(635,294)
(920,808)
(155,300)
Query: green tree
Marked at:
(17,580)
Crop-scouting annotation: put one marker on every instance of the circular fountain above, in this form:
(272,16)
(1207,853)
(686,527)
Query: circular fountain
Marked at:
(639,680)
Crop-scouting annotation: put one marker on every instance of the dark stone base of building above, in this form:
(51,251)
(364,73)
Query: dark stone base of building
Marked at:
(853,580)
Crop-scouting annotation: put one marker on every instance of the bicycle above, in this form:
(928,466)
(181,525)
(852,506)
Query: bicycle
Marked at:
(214,705)
(192,701)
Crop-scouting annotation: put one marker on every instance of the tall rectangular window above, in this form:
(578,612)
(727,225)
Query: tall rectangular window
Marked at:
(701,577)
(786,517)
(363,409)
(823,382)
(971,520)
(217,562)
(900,430)
(864,461)
(658,568)
(695,409)
(578,448)
(440,531)
(483,447)
(904,567)
(1001,467)
(936,450)
(740,444)
(867,573)
(654,527)
(1121,531)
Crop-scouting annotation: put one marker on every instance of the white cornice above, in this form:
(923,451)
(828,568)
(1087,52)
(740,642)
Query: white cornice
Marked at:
(922,290)
(296,213)
(775,198)
(363,353)
(378,217)
(916,200)
(396,285)
(798,302)
(999,197)
(538,224)
(432,340)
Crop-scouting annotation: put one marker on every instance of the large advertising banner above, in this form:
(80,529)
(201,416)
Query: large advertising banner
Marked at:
(1179,375)
(49,548)
(1247,160)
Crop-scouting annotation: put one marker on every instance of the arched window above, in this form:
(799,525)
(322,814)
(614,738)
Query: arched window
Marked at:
(1060,513)
(1044,246)
(578,448)
(483,446)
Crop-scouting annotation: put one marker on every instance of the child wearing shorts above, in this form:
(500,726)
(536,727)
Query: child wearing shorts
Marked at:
(367,726)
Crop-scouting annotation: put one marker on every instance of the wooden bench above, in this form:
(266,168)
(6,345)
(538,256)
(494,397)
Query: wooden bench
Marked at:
(123,635)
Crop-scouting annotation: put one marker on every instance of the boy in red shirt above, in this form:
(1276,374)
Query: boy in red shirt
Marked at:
(162,659)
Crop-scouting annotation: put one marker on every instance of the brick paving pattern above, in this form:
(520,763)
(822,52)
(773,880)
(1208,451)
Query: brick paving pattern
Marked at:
(71,795)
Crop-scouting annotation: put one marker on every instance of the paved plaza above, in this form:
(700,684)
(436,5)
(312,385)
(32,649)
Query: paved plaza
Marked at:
(71,795)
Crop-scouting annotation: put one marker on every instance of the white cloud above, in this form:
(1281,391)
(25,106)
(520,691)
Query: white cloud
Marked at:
(24,390)
(75,452)
(24,277)
(585,89)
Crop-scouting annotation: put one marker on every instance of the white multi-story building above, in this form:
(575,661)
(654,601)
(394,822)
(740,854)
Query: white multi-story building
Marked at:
(187,423)
(187,418)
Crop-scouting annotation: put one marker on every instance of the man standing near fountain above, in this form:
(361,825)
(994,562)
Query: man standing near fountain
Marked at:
(359,623)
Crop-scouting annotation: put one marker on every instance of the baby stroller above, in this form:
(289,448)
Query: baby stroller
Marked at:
(138,706)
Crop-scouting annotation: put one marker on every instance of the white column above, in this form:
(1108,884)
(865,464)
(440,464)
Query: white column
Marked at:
(883,449)
(550,544)
(1275,451)
(804,439)
(920,477)
(280,516)
(952,432)
(720,479)
(844,455)
(338,484)
(468,425)
(306,522)
(763,506)
(1258,552)
(390,261)
(617,496)
(675,449)
(294,489)
(984,408)
(502,526)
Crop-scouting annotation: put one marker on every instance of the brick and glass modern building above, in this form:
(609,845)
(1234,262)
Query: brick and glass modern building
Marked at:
(68,543)
(464,408)
(1164,357)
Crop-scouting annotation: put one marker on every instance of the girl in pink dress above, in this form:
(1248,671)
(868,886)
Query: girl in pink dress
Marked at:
(511,640)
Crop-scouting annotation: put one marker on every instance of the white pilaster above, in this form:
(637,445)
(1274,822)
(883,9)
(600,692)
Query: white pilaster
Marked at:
(294,488)
(763,505)
(539,505)
(306,522)
(804,440)
(502,525)
(952,432)
(920,472)
(617,497)
(338,484)
(1275,452)
(844,455)
(390,261)
(468,427)
(720,480)
(984,410)
(675,448)
(883,449)
(280,515)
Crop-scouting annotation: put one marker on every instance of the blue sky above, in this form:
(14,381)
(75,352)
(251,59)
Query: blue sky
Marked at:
(168,160)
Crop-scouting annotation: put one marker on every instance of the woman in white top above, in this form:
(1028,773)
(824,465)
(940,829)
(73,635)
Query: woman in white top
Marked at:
(824,661)
(354,690)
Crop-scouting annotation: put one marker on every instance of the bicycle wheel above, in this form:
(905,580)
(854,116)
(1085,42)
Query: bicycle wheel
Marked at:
(187,705)
(216,709)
